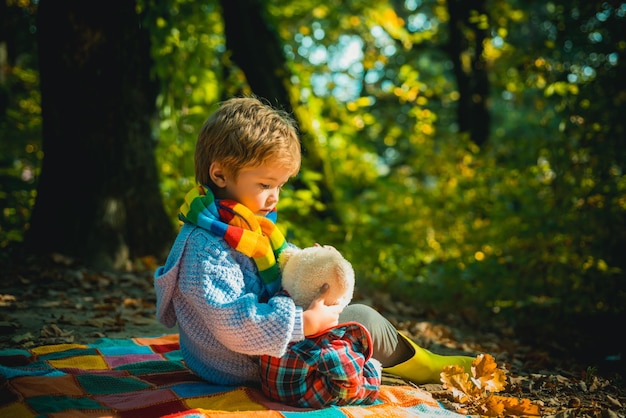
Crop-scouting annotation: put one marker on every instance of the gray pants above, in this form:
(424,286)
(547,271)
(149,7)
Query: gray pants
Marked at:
(388,348)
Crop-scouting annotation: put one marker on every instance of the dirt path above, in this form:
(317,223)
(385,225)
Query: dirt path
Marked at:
(57,303)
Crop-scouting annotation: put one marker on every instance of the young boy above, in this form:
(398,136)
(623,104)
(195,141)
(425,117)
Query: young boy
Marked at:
(221,280)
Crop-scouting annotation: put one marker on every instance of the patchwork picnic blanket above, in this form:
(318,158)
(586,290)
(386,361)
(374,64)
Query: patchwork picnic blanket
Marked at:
(146,377)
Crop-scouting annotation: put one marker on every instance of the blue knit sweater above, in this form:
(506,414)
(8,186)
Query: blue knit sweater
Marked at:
(215,294)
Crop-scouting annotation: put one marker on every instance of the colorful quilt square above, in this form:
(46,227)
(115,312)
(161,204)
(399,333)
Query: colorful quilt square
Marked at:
(165,348)
(99,384)
(192,390)
(158,410)
(138,399)
(234,400)
(116,361)
(124,350)
(72,352)
(163,340)
(45,405)
(16,409)
(149,367)
(55,348)
(88,362)
(30,386)
(175,355)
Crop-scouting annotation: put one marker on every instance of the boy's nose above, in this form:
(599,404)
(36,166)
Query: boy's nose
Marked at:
(273,197)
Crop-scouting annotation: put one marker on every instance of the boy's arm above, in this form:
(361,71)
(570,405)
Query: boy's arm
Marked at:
(220,295)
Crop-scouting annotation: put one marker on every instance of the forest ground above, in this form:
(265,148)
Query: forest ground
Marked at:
(51,302)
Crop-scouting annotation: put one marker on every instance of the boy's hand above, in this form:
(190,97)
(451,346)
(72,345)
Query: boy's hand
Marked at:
(319,316)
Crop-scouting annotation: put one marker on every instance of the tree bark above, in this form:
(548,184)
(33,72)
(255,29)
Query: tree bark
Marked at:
(257,50)
(472,81)
(98,197)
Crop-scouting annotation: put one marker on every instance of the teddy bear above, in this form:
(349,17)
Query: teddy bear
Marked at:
(305,271)
(332,367)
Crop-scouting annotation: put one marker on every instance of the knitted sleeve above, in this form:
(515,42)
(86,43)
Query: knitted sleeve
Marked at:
(220,300)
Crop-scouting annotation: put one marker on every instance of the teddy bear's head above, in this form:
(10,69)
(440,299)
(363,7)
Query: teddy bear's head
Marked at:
(305,271)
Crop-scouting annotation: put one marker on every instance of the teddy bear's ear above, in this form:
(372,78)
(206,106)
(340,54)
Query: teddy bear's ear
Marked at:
(285,255)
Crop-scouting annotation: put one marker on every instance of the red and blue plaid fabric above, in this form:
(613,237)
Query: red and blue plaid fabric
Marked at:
(330,368)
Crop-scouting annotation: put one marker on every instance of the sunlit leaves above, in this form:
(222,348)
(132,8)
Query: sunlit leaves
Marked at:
(476,392)
(320,12)
(188,51)
(561,88)
(481,20)
(20,126)
(393,25)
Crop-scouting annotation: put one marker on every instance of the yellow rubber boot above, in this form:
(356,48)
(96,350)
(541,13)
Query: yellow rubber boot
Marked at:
(425,366)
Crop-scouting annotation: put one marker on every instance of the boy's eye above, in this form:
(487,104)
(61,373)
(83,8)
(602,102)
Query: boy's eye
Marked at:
(269,186)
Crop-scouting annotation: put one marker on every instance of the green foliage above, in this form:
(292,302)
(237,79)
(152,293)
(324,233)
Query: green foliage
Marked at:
(20,154)
(535,218)
(426,214)
(189,54)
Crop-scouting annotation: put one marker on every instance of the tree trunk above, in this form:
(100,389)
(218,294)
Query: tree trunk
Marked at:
(472,113)
(257,50)
(98,197)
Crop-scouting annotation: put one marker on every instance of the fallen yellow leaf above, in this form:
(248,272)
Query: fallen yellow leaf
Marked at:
(476,392)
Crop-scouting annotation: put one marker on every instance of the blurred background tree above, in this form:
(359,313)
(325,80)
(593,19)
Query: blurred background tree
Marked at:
(467,157)
(98,196)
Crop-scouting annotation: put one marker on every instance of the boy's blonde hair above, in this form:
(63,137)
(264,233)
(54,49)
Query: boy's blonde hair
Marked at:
(245,132)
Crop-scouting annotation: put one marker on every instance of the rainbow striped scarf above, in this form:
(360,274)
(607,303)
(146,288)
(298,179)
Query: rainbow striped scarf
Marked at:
(253,235)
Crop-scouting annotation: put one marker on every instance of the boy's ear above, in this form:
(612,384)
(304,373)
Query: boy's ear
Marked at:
(217,175)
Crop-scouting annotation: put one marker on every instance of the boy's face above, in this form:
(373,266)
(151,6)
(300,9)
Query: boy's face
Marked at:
(257,188)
